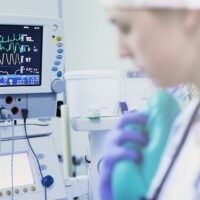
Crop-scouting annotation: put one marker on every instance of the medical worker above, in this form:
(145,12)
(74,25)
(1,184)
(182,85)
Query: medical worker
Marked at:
(163,39)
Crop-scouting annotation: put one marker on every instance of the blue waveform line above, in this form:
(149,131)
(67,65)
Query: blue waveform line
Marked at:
(10,59)
(15,47)
(15,38)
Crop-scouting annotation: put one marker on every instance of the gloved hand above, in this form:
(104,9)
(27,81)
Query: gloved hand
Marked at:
(115,149)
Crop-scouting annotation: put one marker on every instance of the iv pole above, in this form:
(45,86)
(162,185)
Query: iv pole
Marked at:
(65,122)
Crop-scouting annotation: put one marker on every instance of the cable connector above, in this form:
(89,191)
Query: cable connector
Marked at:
(5,114)
(24,113)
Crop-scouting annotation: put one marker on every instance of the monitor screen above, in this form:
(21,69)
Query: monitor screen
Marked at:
(20,55)
(22,173)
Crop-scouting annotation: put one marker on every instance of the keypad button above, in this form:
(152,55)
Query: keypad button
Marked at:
(54,69)
(60,44)
(59,39)
(59,74)
(25,190)
(8,192)
(59,57)
(57,62)
(60,50)
(33,188)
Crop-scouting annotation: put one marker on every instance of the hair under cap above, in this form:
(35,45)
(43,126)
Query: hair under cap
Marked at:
(168,4)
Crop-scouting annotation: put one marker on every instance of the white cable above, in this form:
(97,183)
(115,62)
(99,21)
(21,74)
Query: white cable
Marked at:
(6,114)
(12,160)
(0,141)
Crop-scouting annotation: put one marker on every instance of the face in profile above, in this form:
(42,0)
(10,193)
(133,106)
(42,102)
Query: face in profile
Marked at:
(157,41)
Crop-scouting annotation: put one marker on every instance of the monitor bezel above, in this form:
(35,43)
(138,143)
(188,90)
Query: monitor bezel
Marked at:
(48,59)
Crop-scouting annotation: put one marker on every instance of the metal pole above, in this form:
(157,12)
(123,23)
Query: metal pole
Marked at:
(60,12)
(65,121)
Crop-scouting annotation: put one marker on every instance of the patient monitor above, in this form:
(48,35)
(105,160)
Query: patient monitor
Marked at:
(31,76)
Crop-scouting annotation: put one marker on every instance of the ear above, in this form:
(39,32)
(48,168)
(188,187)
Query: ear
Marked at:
(192,21)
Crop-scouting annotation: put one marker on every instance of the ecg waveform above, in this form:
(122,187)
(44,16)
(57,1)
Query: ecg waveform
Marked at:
(14,48)
(20,55)
(10,59)
(8,39)
(12,44)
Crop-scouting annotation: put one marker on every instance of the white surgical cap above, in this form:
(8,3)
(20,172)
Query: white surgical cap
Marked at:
(171,4)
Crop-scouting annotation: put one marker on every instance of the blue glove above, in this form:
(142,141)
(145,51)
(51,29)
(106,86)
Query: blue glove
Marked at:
(116,150)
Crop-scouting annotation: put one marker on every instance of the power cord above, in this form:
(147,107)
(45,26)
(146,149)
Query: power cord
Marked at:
(25,116)
(12,159)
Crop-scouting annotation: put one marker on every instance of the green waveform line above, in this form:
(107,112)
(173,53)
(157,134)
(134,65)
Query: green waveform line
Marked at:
(15,38)
(15,47)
